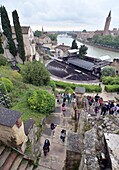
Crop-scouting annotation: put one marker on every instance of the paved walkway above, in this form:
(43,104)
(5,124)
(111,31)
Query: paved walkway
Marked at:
(57,155)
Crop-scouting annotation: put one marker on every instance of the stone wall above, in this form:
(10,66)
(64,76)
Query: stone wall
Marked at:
(73,152)
(95,154)
(33,147)
(72,160)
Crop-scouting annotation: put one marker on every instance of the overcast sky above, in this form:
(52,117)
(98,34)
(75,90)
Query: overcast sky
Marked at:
(64,14)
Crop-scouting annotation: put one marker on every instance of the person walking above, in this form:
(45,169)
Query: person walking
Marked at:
(58,97)
(52,127)
(63,109)
(63,135)
(46,147)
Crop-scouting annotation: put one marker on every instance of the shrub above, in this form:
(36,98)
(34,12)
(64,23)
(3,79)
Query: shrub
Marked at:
(108,71)
(6,84)
(112,88)
(3,60)
(35,73)
(69,90)
(42,101)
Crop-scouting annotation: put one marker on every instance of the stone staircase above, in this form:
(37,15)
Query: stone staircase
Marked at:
(10,159)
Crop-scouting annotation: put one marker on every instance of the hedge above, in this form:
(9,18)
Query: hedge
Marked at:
(89,88)
(110,80)
(112,88)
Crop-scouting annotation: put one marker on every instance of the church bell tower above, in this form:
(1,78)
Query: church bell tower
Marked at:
(107,24)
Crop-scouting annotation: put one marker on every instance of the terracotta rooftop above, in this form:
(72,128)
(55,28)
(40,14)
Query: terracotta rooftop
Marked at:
(24,29)
(63,47)
(43,36)
(8,117)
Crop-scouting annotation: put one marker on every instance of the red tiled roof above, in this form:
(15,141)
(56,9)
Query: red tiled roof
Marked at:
(63,47)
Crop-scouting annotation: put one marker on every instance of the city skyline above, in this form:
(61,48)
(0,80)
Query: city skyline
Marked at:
(63,15)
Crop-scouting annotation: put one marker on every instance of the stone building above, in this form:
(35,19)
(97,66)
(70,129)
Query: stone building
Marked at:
(44,39)
(62,50)
(11,128)
(29,41)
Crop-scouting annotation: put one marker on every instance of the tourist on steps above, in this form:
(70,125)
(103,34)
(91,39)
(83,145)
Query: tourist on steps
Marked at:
(46,147)
(63,109)
(63,135)
(52,127)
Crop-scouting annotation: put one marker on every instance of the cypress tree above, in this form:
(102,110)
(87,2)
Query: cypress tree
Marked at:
(7,30)
(19,35)
(74,45)
(1,48)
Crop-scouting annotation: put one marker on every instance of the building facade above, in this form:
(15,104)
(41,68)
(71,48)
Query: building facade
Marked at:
(11,128)
(29,41)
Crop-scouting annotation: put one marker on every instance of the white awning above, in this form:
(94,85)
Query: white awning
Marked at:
(106,57)
(73,50)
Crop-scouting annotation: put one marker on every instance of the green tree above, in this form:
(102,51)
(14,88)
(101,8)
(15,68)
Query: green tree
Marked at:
(42,101)
(7,30)
(19,35)
(74,45)
(84,30)
(83,51)
(53,37)
(1,48)
(108,71)
(37,33)
(36,73)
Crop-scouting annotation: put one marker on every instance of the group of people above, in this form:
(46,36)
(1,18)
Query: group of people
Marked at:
(101,107)
(64,97)
(70,98)
(46,146)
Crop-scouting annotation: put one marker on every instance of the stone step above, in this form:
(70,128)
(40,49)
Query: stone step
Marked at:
(2,149)
(4,156)
(16,163)
(9,161)
(30,167)
(23,165)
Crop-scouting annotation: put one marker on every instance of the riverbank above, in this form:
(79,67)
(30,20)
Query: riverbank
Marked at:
(99,46)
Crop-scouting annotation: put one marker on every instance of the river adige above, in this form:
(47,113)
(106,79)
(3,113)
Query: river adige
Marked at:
(92,50)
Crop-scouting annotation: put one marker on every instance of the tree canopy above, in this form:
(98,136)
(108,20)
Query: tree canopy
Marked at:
(108,71)
(37,33)
(53,37)
(106,40)
(84,30)
(83,51)
(74,45)
(35,73)
(19,35)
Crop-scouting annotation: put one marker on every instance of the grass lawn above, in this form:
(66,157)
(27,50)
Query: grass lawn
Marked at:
(27,113)
(18,94)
